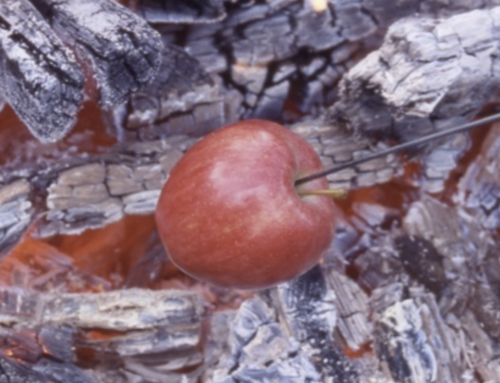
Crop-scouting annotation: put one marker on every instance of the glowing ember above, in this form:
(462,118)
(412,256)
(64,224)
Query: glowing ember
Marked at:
(88,136)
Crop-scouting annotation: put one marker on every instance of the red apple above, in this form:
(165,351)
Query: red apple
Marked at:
(230,214)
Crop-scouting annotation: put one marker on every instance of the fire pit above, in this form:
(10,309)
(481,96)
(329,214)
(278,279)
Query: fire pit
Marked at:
(408,291)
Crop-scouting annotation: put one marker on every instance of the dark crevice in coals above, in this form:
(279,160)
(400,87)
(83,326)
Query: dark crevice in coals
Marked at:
(233,369)
(366,11)
(4,24)
(307,290)
(332,362)
(164,120)
(352,271)
(393,355)
(232,6)
(87,220)
(477,375)
(187,11)
(132,74)
(138,47)
(227,80)
(92,53)
(45,9)
(422,262)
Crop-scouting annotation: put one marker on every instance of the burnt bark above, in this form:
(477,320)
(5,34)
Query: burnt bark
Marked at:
(39,76)
(407,294)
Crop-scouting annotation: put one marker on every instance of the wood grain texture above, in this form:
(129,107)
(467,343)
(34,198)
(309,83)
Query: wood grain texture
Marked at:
(404,295)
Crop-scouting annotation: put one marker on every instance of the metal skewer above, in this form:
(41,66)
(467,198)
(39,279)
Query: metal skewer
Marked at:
(419,141)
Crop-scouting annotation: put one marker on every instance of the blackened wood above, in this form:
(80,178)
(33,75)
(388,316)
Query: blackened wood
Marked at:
(39,76)
(124,51)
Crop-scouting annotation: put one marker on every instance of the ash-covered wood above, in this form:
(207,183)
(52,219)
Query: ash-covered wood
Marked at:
(429,287)
(411,338)
(93,195)
(43,371)
(124,51)
(151,333)
(275,52)
(405,294)
(265,64)
(335,145)
(39,76)
(353,323)
(175,12)
(16,211)
(430,74)
(183,98)
(285,333)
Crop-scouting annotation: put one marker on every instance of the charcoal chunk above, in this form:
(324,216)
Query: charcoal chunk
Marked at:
(422,261)
(124,51)
(40,77)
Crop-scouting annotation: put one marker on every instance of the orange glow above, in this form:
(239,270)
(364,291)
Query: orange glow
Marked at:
(34,264)
(110,252)
(360,352)
(19,148)
(102,335)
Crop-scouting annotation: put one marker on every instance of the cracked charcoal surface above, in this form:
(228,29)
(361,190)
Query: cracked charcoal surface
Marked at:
(459,240)
(422,261)
(309,297)
(40,77)
(342,26)
(259,347)
(441,326)
(285,333)
(428,75)
(265,85)
(352,305)
(156,318)
(402,340)
(404,331)
(124,51)
(265,72)
(183,98)
(171,11)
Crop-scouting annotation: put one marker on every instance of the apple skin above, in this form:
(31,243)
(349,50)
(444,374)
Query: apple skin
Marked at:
(229,213)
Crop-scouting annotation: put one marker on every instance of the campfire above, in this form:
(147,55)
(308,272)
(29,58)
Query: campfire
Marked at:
(101,99)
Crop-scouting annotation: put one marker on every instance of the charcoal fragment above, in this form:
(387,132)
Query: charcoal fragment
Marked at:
(422,261)
(40,77)
(125,52)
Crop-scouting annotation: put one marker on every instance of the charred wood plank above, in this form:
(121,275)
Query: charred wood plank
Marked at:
(182,99)
(157,331)
(429,74)
(39,76)
(124,51)
(175,12)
